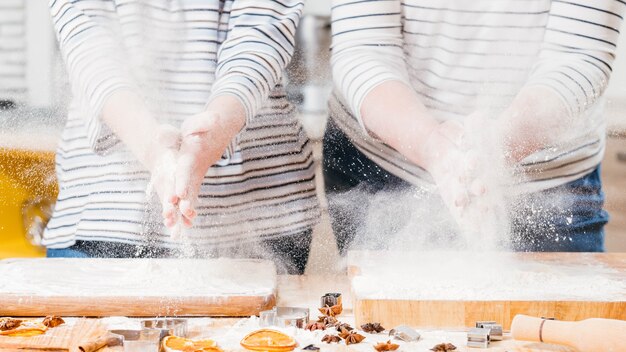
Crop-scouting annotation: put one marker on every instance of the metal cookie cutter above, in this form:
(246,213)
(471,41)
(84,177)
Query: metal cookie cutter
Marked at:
(175,327)
(284,317)
(404,333)
(330,299)
(478,337)
(496,329)
(144,340)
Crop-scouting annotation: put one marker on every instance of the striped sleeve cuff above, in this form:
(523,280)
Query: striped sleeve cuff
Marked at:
(258,47)
(97,69)
(367,48)
(242,88)
(578,51)
(362,73)
(99,135)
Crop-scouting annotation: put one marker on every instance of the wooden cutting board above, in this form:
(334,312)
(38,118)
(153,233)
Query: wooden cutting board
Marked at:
(136,287)
(454,289)
(64,338)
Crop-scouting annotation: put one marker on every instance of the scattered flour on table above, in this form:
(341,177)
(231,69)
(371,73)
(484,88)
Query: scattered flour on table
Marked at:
(484,276)
(228,338)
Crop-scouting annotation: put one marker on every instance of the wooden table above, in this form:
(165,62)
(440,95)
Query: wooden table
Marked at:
(136,287)
(305,291)
(422,290)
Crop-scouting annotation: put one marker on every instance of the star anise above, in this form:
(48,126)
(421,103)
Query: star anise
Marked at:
(331,338)
(386,346)
(312,326)
(372,328)
(9,324)
(331,311)
(340,325)
(53,321)
(343,333)
(326,320)
(443,347)
(354,337)
(351,337)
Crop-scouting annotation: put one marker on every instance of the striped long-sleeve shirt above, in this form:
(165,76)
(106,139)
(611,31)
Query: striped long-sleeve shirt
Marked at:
(180,54)
(467,56)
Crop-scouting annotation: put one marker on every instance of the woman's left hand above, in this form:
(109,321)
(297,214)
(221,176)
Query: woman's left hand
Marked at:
(202,145)
(205,137)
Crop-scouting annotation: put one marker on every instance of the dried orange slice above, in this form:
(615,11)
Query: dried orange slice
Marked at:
(27,328)
(176,344)
(268,340)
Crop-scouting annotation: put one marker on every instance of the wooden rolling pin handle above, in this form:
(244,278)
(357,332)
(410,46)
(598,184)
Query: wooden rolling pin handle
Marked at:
(590,335)
(102,341)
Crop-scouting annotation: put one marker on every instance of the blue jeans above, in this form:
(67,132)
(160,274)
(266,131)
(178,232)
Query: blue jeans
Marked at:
(568,218)
(65,253)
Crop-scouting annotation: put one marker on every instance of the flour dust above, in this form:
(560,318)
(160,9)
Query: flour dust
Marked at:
(400,216)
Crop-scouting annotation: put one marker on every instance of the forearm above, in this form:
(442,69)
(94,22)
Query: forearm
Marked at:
(127,116)
(565,81)
(393,112)
(228,118)
(536,118)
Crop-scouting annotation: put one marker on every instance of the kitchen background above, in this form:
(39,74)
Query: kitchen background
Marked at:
(33,92)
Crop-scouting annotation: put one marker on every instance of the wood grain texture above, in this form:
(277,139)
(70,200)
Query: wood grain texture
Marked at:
(459,314)
(456,314)
(235,306)
(65,338)
(94,287)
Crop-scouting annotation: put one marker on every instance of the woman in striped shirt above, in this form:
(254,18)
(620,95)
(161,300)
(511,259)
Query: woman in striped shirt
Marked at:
(185,94)
(413,79)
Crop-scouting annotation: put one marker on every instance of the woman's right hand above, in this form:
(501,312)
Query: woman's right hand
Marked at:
(394,114)
(154,144)
(161,162)
(452,165)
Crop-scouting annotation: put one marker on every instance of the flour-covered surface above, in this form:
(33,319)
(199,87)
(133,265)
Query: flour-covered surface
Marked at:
(304,291)
(229,332)
(137,277)
(488,276)
(228,337)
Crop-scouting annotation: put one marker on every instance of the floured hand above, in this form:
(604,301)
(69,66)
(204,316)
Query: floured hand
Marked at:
(161,163)
(453,164)
(203,143)
(179,160)
(485,214)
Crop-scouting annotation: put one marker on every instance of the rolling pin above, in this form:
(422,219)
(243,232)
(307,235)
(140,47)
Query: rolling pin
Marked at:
(590,335)
(101,341)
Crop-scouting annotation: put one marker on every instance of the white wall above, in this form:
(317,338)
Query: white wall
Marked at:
(29,62)
(12,50)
